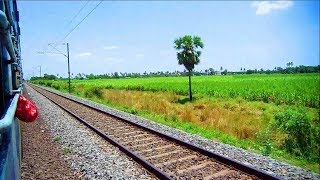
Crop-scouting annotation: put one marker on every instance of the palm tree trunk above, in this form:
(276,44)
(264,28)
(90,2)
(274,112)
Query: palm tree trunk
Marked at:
(190,91)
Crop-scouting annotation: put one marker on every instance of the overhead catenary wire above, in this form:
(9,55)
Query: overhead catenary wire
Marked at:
(75,27)
(72,19)
(76,15)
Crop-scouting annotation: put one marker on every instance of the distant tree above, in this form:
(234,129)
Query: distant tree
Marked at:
(279,69)
(49,77)
(188,54)
(261,70)
(79,76)
(250,71)
(221,68)
(289,64)
(167,73)
(116,75)
(91,76)
(225,72)
(211,71)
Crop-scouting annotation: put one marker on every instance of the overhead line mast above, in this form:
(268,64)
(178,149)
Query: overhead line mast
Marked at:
(56,44)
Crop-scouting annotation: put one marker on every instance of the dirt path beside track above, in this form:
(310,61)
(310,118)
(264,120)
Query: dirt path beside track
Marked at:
(42,157)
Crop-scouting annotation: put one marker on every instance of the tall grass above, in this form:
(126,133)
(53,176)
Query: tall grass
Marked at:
(242,108)
(290,89)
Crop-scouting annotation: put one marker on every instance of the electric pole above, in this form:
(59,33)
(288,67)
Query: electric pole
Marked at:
(66,55)
(68,65)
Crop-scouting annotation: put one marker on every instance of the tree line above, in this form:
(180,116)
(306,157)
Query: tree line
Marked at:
(188,54)
(209,71)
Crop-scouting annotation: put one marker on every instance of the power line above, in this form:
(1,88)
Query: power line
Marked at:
(72,19)
(79,23)
(76,15)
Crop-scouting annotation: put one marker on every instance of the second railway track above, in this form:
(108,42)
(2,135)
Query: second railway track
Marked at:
(164,156)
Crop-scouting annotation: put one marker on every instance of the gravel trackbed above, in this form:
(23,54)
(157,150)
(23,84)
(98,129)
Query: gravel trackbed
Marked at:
(84,154)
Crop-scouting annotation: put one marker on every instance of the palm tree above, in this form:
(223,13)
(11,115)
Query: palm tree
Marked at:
(289,64)
(188,54)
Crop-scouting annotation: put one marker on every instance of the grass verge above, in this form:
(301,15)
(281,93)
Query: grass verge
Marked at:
(128,101)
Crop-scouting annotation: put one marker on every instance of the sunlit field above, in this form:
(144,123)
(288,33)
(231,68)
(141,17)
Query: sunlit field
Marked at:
(295,89)
(262,113)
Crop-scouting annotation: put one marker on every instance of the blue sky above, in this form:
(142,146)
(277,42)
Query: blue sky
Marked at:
(137,36)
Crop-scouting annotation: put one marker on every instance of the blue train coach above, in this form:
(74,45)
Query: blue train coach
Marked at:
(11,86)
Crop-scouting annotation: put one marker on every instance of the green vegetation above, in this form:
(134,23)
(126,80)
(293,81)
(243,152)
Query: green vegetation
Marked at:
(57,139)
(188,55)
(302,136)
(207,72)
(290,89)
(67,150)
(276,115)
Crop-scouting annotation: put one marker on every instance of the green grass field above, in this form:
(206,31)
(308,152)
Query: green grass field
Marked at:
(292,89)
(265,113)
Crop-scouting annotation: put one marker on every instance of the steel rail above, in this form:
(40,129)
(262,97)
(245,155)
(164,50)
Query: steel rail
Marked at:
(150,167)
(222,159)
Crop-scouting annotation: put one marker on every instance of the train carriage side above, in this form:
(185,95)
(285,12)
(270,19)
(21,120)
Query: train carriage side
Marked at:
(10,87)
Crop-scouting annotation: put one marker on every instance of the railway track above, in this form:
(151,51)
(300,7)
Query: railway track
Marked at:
(162,155)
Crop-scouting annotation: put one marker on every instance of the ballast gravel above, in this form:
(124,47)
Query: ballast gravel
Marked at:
(278,168)
(42,157)
(89,155)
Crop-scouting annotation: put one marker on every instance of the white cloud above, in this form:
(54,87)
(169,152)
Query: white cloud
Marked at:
(110,47)
(140,55)
(84,54)
(265,7)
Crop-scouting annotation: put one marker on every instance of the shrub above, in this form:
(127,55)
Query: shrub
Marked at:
(94,92)
(41,83)
(72,88)
(265,139)
(49,84)
(57,87)
(296,124)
